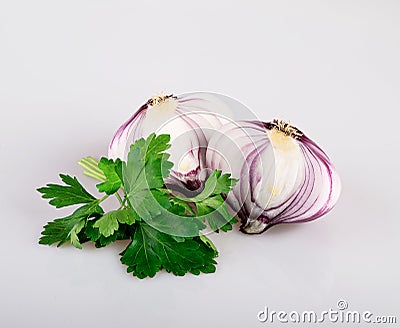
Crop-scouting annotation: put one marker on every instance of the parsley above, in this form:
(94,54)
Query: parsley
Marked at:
(163,228)
(67,228)
(71,194)
(113,174)
(152,250)
(109,222)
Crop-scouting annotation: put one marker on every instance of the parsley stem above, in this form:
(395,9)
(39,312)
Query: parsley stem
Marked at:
(88,165)
(102,199)
(93,160)
(92,169)
(119,198)
(93,175)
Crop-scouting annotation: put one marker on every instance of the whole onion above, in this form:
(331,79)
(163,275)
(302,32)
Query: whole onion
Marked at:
(284,177)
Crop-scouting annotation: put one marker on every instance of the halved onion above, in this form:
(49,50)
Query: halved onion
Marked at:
(189,120)
(284,177)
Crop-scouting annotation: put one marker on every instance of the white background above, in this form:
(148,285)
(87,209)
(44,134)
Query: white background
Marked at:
(72,71)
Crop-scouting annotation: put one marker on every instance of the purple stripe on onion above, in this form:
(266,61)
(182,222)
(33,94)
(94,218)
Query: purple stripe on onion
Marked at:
(284,177)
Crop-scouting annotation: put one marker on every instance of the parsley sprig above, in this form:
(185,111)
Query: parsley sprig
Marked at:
(164,229)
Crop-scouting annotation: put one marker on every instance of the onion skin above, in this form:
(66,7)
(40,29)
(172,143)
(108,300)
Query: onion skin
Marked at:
(284,176)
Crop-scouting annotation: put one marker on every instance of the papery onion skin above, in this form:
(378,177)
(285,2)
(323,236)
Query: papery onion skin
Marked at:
(189,119)
(284,176)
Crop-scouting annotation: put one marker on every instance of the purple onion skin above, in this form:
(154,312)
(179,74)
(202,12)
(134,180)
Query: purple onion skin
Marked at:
(124,127)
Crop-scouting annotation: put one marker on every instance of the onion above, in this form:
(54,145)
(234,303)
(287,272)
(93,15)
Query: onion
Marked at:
(189,119)
(284,177)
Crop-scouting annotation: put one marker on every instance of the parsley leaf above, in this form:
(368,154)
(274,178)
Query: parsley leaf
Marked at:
(113,172)
(71,194)
(151,250)
(216,213)
(143,179)
(109,222)
(67,228)
(210,205)
(224,183)
(215,184)
(89,232)
(147,164)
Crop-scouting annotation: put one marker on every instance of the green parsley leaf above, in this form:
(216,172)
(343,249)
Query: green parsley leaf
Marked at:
(153,145)
(89,232)
(177,222)
(71,194)
(104,241)
(147,164)
(209,243)
(113,173)
(215,184)
(151,250)
(67,228)
(209,251)
(184,204)
(109,222)
(224,183)
(216,213)
(210,205)
(149,203)
(144,174)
